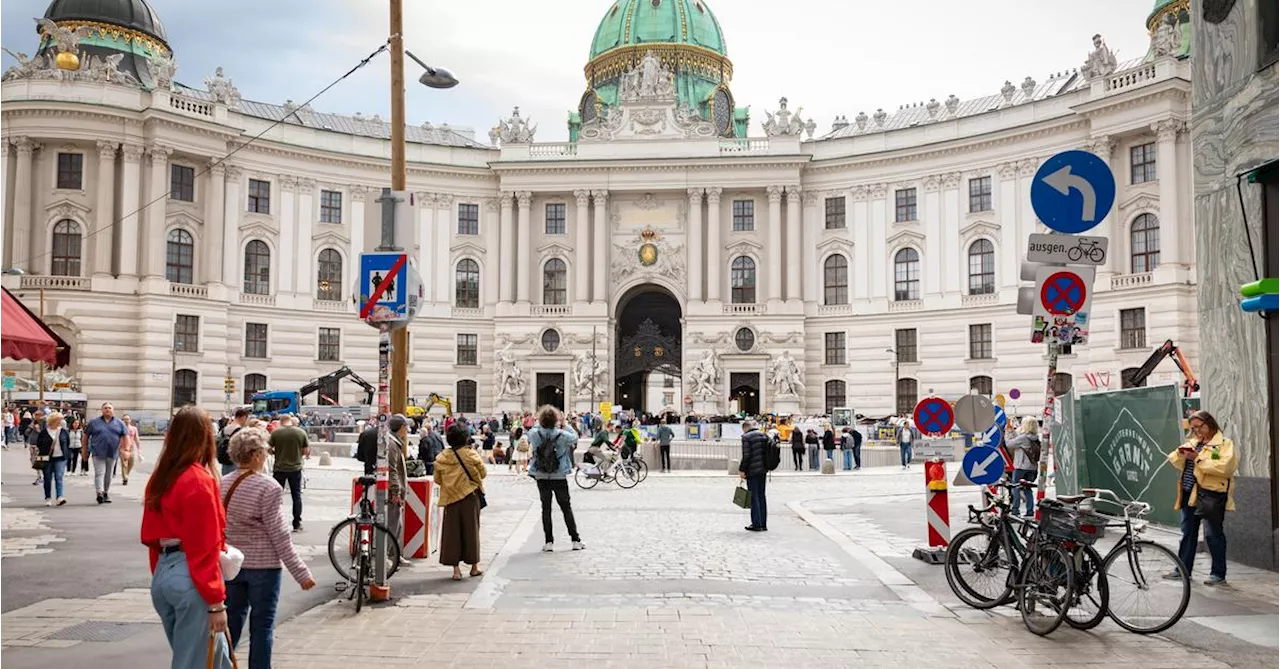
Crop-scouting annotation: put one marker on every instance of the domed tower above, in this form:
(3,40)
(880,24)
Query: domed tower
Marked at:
(686,37)
(1169,24)
(109,28)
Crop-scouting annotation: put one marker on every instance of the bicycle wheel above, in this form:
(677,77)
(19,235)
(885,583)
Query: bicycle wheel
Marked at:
(1097,255)
(625,475)
(1143,600)
(642,469)
(1089,603)
(344,550)
(362,575)
(1074,253)
(978,568)
(1045,586)
(585,482)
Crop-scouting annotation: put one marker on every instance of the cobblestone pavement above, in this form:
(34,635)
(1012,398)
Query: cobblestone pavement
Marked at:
(669,579)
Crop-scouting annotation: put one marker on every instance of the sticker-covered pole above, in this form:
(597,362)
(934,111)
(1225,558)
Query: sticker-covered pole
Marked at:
(382,469)
(1045,438)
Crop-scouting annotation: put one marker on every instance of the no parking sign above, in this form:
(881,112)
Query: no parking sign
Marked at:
(934,416)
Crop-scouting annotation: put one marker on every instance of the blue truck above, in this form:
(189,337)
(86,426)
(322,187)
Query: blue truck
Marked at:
(269,402)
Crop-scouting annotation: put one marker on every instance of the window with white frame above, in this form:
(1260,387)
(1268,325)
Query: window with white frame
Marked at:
(182,183)
(834,348)
(980,194)
(67,245)
(1144,243)
(257,268)
(980,341)
(906,275)
(259,196)
(904,205)
(468,218)
(329,347)
(1142,163)
(982,267)
(255,340)
(71,171)
(744,215)
(835,280)
(329,275)
(468,349)
(555,218)
(742,280)
(330,206)
(1133,328)
(555,283)
(186,333)
(835,213)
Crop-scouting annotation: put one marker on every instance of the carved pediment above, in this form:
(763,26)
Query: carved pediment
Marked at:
(979,229)
(745,247)
(905,238)
(331,238)
(554,249)
(67,208)
(467,248)
(1140,201)
(842,243)
(182,218)
(258,227)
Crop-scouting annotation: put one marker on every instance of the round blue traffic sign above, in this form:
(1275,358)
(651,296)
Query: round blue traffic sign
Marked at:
(934,416)
(1063,293)
(983,465)
(1073,191)
(991,437)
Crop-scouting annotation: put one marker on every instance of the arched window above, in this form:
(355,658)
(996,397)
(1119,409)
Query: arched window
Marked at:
(981,385)
(906,275)
(835,280)
(466,397)
(66,249)
(466,284)
(329,275)
(1061,384)
(982,267)
(257,268)
(184,387)
(253,384)
(179,257)
(555,283)
(906,397)
(1144,244)
(742,280)
(834,391)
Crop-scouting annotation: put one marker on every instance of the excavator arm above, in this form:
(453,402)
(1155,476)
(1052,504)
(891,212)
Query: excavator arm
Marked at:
(435,399)
(1190,384)
(337,374)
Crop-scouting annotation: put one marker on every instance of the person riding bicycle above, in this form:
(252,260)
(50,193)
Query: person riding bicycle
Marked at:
(630,440)
(603,451)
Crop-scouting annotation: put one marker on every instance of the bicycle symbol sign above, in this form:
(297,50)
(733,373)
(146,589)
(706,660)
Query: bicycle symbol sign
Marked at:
(934,416)
(1063,293)
(1067,249)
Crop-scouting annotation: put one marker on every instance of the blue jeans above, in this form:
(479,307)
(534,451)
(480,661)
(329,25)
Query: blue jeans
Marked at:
(1214,538)
(53,471)
(759,505)
(857,456)
(848,459)
(255,593)
(813,456)
(184,615)
(905,453)
(1019,493)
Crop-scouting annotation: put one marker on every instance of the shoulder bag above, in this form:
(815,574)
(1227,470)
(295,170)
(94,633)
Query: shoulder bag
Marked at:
(230,559)
(479,491)
(226,634)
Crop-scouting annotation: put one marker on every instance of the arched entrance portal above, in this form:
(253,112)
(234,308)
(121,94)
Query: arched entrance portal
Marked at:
(648,350)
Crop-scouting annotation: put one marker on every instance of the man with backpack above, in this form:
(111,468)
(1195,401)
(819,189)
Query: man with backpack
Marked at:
(553,444)
(759,457)
(224,439)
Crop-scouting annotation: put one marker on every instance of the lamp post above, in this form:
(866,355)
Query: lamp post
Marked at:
(896,362)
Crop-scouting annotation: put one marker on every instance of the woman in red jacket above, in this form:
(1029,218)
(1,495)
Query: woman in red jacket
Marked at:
(183,524)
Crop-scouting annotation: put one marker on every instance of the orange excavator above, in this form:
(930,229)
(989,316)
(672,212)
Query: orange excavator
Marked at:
(1190,385)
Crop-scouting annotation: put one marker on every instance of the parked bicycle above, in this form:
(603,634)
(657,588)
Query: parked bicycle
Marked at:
(351,544)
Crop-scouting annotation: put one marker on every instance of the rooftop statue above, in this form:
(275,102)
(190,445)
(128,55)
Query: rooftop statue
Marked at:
(222,90)
(514,130)
(649,80)
(784,121)
(1101,62)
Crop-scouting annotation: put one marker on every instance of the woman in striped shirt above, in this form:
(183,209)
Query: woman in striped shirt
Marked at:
(257,526)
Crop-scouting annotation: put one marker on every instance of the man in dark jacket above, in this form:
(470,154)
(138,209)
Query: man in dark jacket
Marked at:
(429,446)
(367,447)
(754,469)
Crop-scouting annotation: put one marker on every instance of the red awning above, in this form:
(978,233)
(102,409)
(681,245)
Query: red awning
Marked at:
(24,337)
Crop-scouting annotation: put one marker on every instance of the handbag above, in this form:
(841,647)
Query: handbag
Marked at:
(208,663)
(1211,503)
(742,496)
(479,491)
(231,558)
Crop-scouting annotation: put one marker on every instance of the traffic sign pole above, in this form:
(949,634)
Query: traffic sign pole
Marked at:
(1042,478)
(383,466)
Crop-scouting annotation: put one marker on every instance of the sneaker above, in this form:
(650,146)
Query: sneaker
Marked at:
(578,545)
(1174,575)
(48,502)
(99,498)
(124,482)
(106,499)
(1215,581)
(62,501)
(548,547)
(752,528)
(297,527)
(37,482)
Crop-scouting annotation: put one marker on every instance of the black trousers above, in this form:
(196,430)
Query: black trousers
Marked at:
(797,459)
(560,488)
(294,481)
(664,450)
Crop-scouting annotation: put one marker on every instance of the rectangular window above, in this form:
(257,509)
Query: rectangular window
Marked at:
(330,206)
(1133,328)
(70,170)
(555,218)
(467,397)
(904,342)
(330,344)
(259,196)
(468,219)
(468,349)
(980,341)
(182,183)
(980,194)
(835,349)
(1142,163)
(255,340)
(835,213)
(744,215)
(186,334)
(904,205)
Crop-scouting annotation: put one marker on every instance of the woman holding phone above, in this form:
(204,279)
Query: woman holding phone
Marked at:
(1207,462)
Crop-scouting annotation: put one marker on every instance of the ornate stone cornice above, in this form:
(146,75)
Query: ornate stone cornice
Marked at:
(582,197)
(524,198)
(107,149)
(1102,146)
(713,194)
(775,193)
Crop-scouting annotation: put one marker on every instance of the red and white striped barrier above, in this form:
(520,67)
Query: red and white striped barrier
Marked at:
(937,512)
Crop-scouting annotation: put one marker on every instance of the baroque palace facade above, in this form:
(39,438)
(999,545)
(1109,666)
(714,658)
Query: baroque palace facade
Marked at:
(675,239)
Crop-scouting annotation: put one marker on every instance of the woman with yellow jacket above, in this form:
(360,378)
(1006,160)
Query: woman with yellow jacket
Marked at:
(459,472)
(1208,464)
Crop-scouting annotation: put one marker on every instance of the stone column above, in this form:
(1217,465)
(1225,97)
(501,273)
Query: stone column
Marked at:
(304,276)
(283,262)
(794,264)
(1008,255)
(880,269)
(153,235)
(715,248)
(127,228)
(425,218)
(1103,147)
(439,247)
(773,275)
(696,270)
(104,211)
(21,252)
(582,246)
(600,263)
(359,194)
(1167,132)
(861,275)
(524,254)
(214,223)
(507,253)
(809,249)
(493,249)
(233,205)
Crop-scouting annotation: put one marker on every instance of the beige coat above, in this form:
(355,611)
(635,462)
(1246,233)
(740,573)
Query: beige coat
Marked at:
(453,481)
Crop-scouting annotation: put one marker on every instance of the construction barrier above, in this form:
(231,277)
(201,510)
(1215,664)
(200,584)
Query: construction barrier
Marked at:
(937,512)
(421,514)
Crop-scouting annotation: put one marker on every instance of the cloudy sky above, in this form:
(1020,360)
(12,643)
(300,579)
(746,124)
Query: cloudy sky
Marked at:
(828,56)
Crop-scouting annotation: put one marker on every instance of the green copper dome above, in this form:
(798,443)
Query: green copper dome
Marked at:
(1175,13)
(630,22)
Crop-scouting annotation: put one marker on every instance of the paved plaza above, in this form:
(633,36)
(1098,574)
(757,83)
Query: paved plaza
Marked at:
(669,579)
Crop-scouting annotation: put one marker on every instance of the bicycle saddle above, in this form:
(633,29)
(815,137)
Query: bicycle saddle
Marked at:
(367,481)
(1072,499)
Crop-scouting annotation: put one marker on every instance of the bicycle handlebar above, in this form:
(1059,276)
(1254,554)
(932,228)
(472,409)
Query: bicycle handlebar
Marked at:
(1109,496)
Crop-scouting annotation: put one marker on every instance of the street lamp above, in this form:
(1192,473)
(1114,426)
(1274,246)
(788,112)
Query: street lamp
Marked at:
(434,77)
(896,362)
